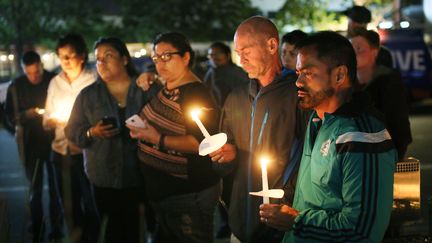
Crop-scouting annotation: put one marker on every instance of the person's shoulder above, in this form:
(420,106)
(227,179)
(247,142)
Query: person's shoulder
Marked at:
(241,88)
(91,88)
(194,87)
(18,81)
(49,74)
(90,72)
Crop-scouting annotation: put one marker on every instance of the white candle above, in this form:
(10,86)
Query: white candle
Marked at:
(265,187)
(195,117)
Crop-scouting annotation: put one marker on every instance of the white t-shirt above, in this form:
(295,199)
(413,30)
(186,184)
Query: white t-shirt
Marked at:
(60,100)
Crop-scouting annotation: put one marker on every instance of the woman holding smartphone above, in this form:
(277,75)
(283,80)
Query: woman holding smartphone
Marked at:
(97,126)
(181,185)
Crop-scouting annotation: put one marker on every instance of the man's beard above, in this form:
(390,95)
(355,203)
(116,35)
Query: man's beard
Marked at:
(314,99)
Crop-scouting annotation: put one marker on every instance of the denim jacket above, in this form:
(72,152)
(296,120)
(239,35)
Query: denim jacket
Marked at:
(112,162)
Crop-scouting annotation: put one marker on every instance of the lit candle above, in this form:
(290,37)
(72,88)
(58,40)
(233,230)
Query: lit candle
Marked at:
(265,188)
(40,111)
(61,116)
(195,116)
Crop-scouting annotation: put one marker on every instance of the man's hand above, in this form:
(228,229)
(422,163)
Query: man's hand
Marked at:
(278,216)
(103,131)
(226,154)
(31,113)
(145,80)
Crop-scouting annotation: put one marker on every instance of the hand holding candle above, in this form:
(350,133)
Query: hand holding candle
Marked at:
(60,116)
(210,143)
(40,111)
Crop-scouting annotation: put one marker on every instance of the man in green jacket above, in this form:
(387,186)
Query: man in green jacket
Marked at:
(345,183)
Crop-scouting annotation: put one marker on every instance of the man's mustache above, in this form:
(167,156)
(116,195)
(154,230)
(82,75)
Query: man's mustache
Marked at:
(303,89)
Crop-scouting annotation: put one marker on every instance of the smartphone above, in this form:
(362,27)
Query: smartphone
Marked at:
(107,120)
(136,121)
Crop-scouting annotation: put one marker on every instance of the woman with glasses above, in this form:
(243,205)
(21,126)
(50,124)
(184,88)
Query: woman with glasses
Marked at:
(97,126)
(62,92)
(181,185)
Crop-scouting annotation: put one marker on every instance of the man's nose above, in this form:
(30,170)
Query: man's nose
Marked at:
(299,81)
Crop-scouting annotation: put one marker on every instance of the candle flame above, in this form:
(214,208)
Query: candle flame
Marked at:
(264,161)
(195,114)
(61,116)
(40,111)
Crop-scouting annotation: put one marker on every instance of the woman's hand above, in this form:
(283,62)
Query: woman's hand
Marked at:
(145,80)
(148,133)
(52,123)
(103,131)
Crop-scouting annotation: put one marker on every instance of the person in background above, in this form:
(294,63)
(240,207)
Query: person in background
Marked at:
(385,87)
(289,51)
(24,106)
(221,78)
(223,75)
(345,183)
(261,119)
(97,125)
(181,185)
(360,16)
(67,157)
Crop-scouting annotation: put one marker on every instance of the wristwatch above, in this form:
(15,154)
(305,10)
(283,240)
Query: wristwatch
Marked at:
(89,134)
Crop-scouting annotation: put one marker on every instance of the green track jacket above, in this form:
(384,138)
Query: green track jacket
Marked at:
(344,189)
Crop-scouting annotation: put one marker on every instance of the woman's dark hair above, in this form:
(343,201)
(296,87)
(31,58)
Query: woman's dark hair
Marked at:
(75,41)
(177,40)
(120,47)
(222,47)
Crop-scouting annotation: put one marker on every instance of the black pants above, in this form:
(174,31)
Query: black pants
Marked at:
(119,210)
(34,166)
(84,212)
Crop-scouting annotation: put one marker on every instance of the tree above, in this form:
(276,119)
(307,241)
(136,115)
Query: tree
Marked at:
(315,14)
(204,20)
(24,23)
(304,13)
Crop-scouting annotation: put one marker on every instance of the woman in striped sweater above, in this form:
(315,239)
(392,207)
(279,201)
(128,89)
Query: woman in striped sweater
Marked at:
(182,186)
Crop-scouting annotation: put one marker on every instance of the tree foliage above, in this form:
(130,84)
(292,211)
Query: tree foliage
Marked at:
(315,14)
(203,20)
(24,23)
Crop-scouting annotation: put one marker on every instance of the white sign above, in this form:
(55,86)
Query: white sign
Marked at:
(411,59)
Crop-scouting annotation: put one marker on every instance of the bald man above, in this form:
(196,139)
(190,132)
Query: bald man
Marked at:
(260,118)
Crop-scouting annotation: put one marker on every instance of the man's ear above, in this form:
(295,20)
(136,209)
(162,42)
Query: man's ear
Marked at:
(341,73)
(273,45)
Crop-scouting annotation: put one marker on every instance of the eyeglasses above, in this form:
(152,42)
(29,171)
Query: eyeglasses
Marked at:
(164,57)
(214,54)
(67,57)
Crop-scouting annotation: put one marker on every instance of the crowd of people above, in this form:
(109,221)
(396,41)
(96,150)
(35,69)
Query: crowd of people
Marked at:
(319,106)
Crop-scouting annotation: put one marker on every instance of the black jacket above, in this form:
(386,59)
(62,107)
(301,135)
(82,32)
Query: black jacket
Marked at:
(388,95)
(262,122)
(28,96)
